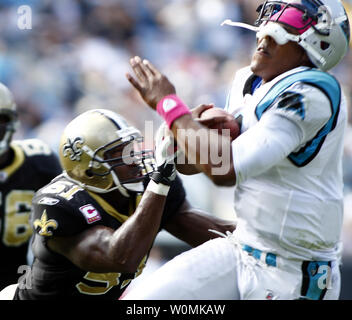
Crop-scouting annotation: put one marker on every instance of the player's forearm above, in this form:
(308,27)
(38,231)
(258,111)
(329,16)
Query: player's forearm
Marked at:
(101,249)
(205,149)
(132,241)
(187,169)
(192,226)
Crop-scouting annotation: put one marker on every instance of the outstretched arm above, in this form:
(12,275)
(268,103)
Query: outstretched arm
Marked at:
(102,249)
(192,225)
(201,146)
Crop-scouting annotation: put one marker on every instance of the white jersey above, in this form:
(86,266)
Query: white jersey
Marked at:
(288,199)
(288,163)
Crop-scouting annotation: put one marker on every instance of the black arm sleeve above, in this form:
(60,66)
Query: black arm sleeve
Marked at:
(174,200)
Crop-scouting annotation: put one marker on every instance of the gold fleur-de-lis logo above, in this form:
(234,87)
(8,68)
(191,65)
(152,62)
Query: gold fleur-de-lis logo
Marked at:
(44,224)
(73,148)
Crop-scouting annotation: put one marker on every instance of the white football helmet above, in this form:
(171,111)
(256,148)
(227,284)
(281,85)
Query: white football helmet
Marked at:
(88,153)
(322,27)
(8,118)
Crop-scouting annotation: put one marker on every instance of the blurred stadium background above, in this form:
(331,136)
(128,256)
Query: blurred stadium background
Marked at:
(76,55)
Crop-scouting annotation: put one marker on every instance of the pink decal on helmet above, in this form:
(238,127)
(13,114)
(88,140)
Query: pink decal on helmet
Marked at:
(292,17)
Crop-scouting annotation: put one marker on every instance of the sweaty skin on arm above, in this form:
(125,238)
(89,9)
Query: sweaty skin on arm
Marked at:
(192,225)
(101,249)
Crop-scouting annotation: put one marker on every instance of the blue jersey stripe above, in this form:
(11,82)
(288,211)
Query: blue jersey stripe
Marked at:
(329,86)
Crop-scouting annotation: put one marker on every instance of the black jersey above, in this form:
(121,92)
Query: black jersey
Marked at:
(63,208)
(33,166)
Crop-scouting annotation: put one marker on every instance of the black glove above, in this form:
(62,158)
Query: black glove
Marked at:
(165,157)
(165,174)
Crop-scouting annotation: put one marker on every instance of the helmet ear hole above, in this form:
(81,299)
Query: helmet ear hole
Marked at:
(89,173)
(324,45)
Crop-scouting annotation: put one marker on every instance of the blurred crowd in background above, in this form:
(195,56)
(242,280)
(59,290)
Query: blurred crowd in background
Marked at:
(77,53)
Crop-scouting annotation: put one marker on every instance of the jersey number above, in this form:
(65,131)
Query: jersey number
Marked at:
(17,208)
(34,147)
(58,188)
(109,280)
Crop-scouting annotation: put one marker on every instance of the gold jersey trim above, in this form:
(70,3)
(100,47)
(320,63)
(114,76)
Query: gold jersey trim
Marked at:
(108,208)
(111,210)
(17,163)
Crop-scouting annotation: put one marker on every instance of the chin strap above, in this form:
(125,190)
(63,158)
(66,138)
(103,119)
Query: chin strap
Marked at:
(118,185)
(120,188)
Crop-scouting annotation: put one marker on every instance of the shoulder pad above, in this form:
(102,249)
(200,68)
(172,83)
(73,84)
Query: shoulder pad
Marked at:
(53,211)
(54,217)
(45,226)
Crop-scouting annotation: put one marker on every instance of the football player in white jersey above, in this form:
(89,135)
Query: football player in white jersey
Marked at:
(286,164)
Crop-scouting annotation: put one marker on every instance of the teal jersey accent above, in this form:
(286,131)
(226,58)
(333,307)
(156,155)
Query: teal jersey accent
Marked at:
(329,86)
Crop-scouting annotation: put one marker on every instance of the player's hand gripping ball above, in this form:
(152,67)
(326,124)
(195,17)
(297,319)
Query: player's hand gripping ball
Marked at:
(217,118)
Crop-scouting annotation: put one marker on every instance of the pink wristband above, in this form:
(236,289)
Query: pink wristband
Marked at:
(171,107)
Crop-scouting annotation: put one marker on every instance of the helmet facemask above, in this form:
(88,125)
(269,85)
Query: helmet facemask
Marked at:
(8,126)
(119,154)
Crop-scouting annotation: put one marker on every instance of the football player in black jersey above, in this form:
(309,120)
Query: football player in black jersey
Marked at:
(25,167)
(96,223)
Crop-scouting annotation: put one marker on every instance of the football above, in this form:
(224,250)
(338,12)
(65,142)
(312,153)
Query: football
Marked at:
(217,118)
